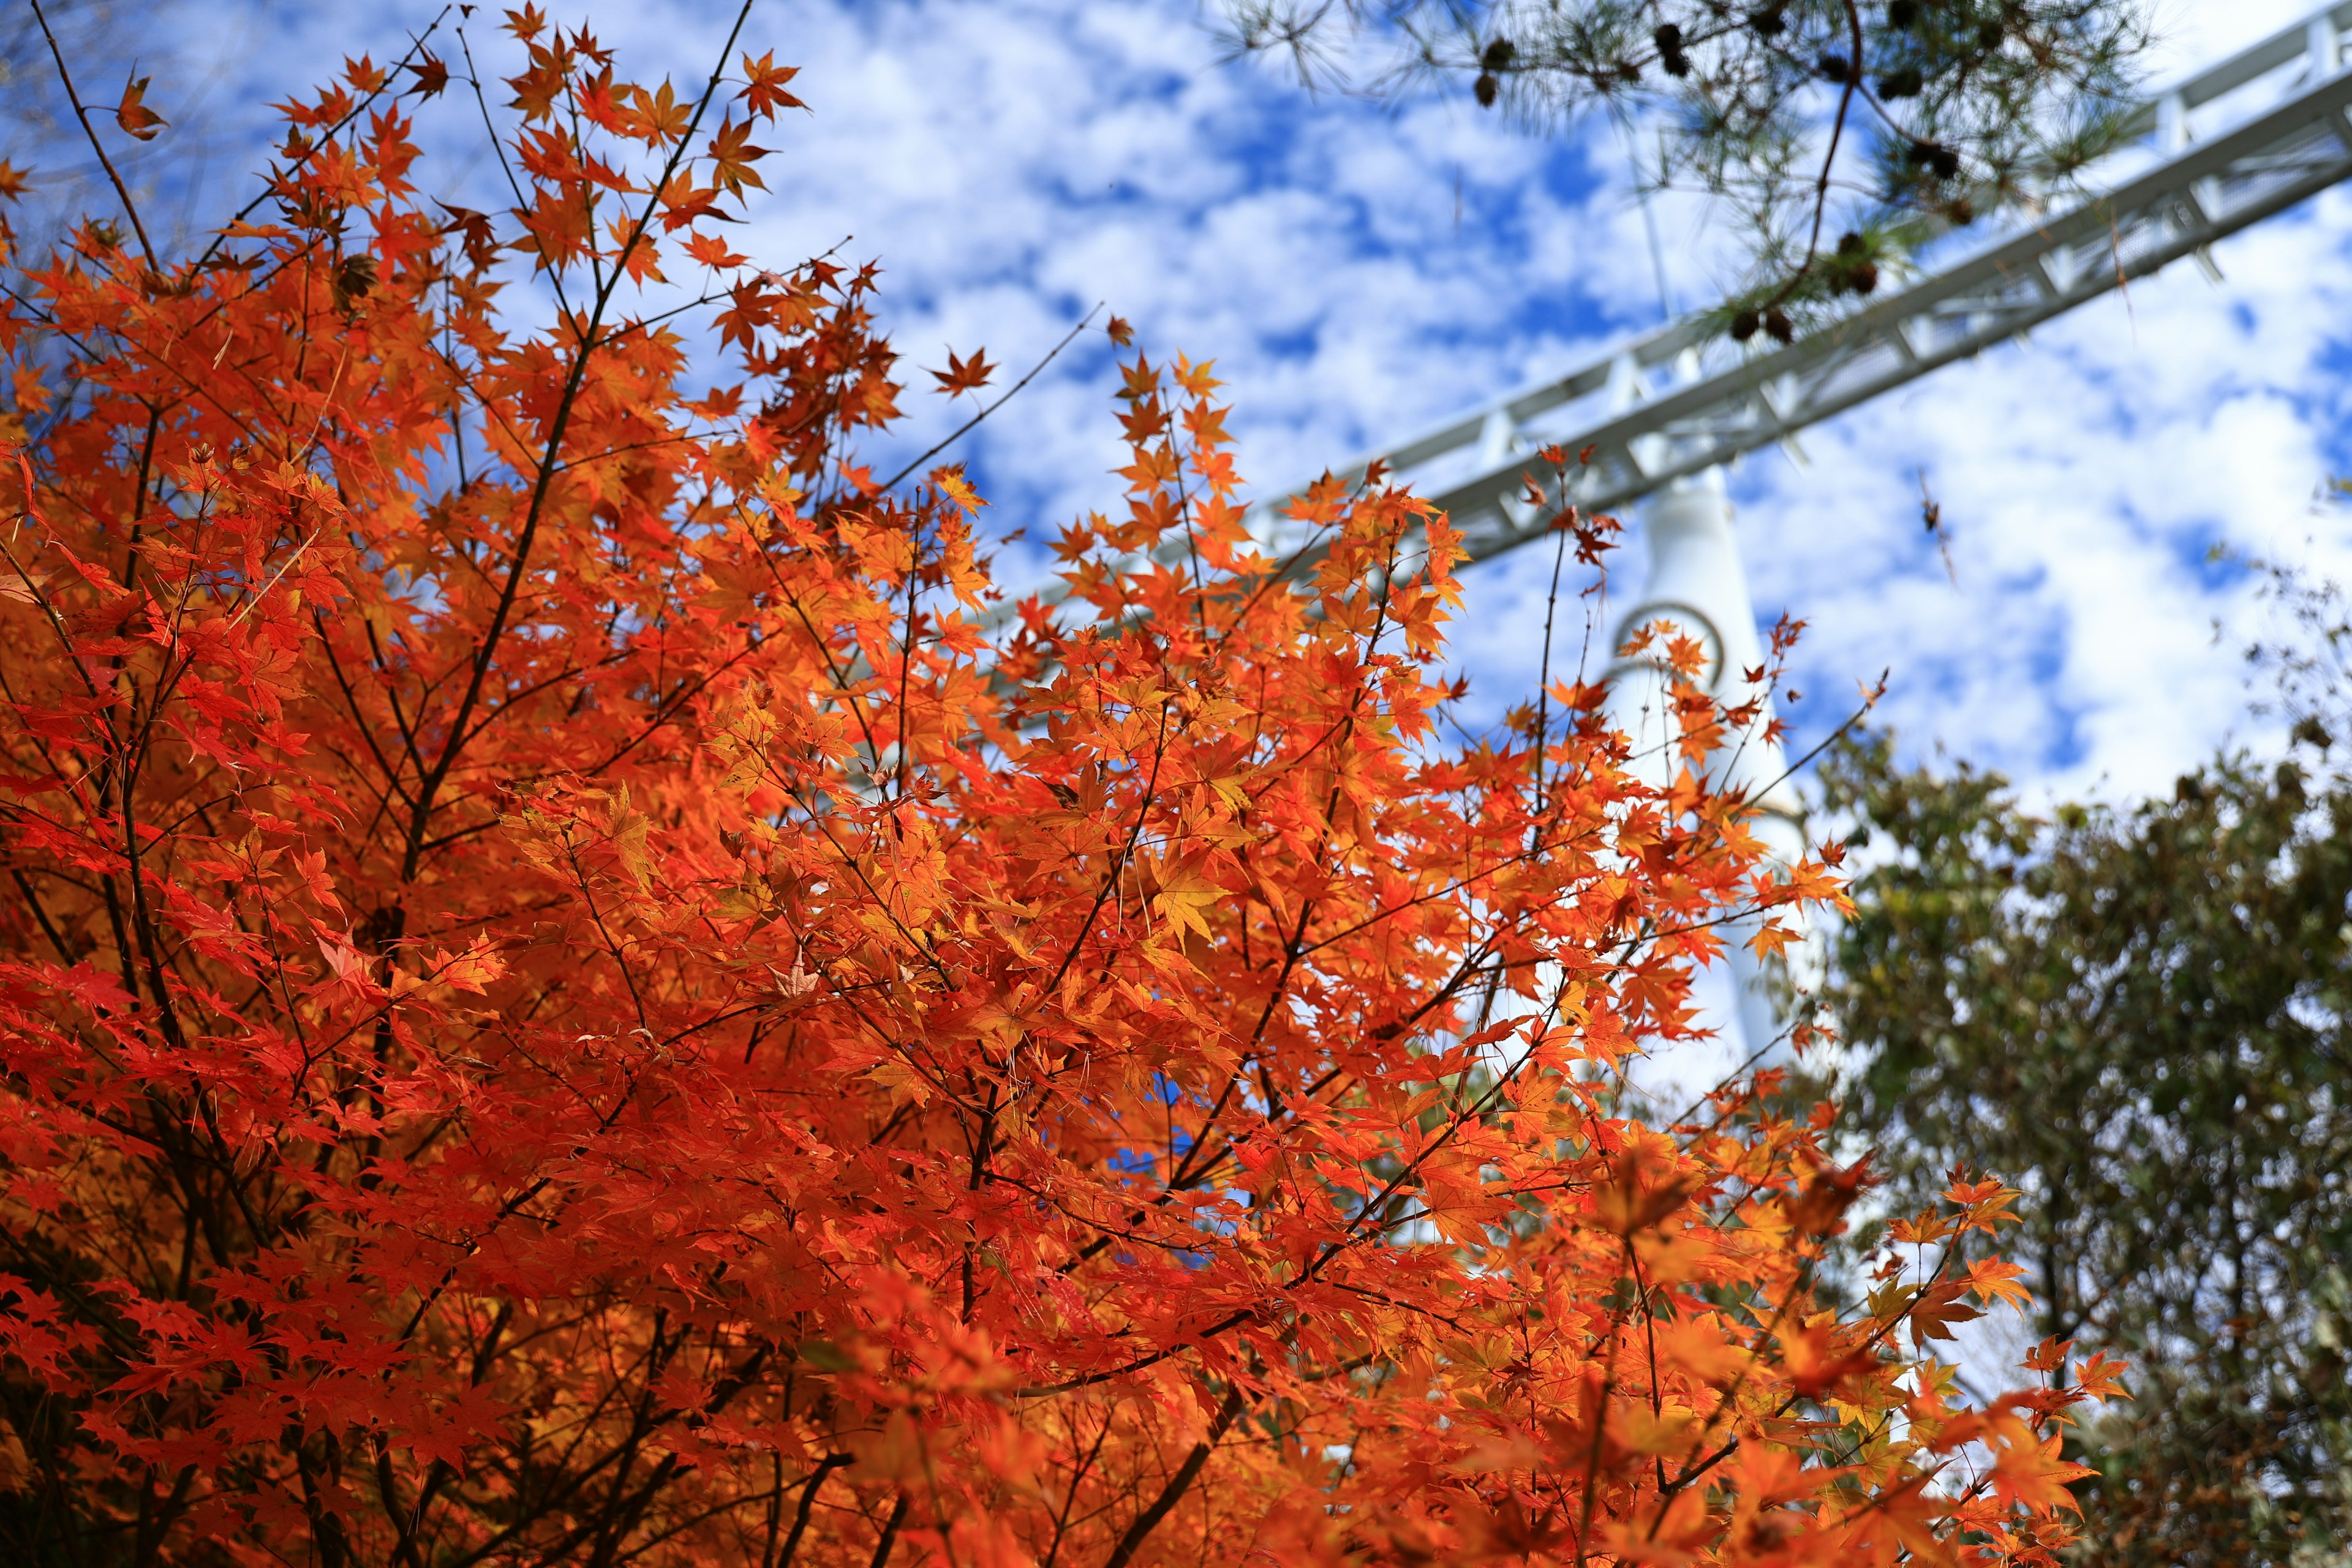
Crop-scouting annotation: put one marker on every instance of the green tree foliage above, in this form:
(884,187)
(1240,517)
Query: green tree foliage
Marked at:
(1842,134)
(2140,1018)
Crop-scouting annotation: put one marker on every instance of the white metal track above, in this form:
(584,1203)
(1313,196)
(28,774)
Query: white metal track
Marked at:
(1673,416)
(2224,148)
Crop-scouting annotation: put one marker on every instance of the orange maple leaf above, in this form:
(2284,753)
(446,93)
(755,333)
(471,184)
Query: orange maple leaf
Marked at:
(2033,1475)
(711,251)
(731,155)
(763,86)
(132,113)
(1938,1307)
(2101,1377)
(432,76)
(964,375)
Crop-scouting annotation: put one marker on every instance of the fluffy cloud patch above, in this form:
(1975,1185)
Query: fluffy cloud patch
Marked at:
(1359,274)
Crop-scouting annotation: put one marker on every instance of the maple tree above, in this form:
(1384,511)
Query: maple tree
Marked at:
(572,997)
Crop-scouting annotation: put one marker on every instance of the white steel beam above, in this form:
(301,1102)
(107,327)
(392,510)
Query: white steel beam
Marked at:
(1681,426)
(1684,399)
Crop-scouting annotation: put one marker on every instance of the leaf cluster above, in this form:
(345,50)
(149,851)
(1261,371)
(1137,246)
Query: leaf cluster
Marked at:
(568,997)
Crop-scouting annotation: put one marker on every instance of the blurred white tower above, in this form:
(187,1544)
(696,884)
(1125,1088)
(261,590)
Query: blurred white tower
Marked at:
(1696,587)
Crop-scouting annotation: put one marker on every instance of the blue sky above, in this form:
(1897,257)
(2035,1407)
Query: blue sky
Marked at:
(1358,273)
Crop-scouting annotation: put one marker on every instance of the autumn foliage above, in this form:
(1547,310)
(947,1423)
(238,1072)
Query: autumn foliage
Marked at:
(568,996)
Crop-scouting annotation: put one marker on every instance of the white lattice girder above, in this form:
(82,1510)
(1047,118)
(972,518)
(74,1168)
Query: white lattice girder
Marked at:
(1684,399)
(2199,194)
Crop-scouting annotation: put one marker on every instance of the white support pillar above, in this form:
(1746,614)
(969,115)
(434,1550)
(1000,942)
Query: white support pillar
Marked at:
(1695,585)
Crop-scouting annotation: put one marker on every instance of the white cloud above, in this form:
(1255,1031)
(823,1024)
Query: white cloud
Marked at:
(2085,476)
(1011,162)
